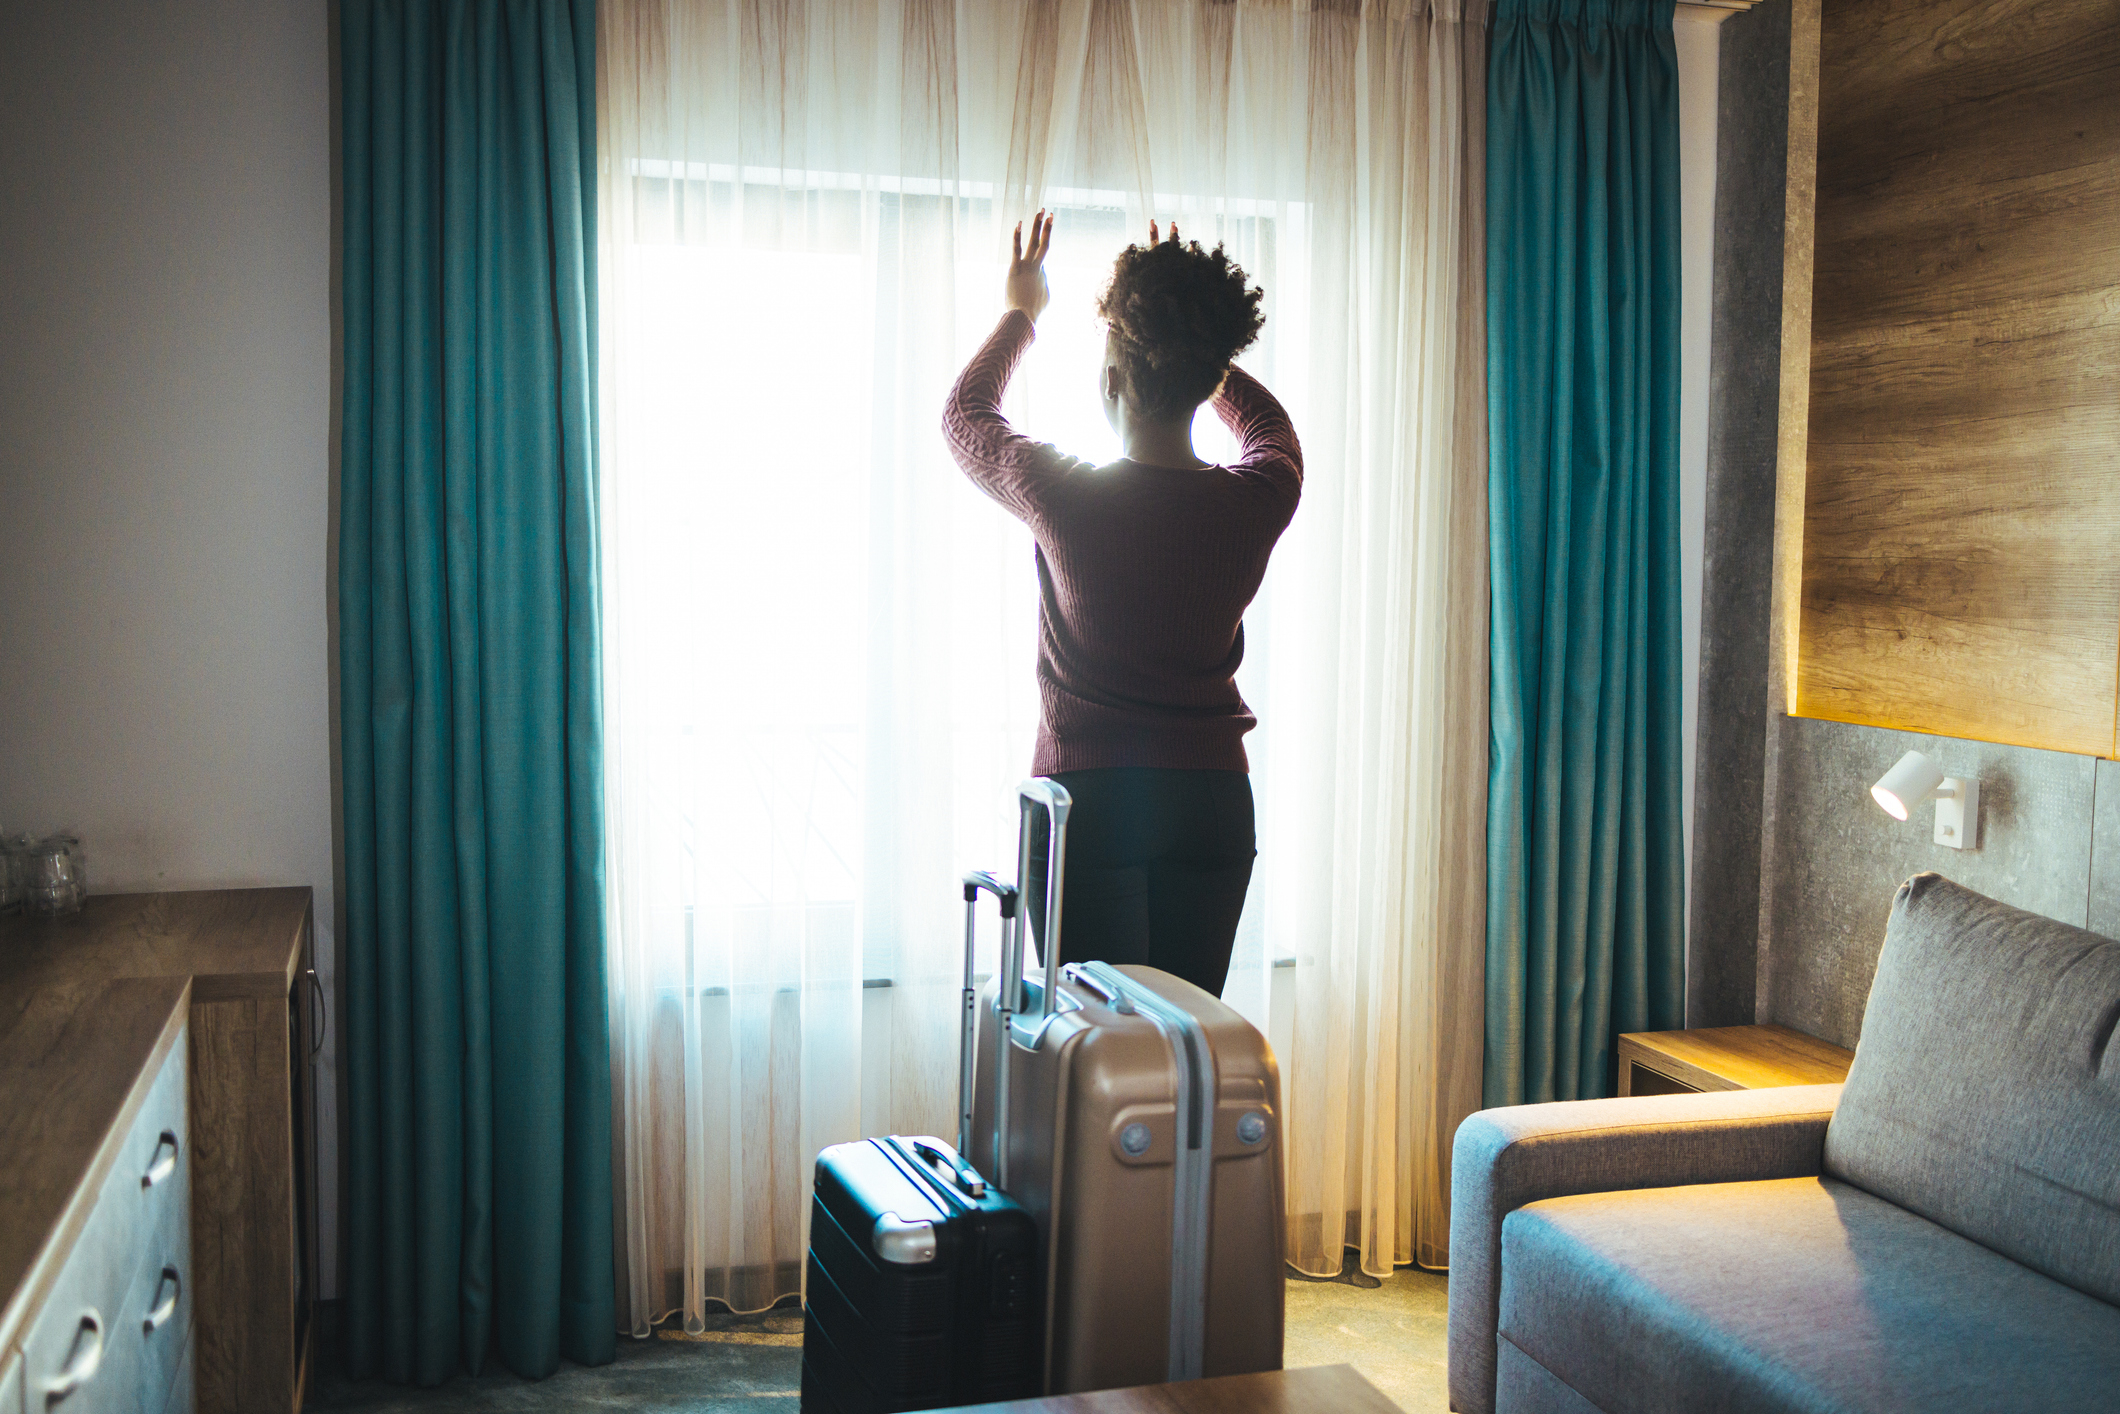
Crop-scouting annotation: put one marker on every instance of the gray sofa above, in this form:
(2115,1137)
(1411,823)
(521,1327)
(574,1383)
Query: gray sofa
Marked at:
(1941,1233)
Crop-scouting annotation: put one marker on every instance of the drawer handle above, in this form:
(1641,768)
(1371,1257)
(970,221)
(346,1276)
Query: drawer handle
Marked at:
(318,1012)
(165,1161)
(81,1364)
(159,1317)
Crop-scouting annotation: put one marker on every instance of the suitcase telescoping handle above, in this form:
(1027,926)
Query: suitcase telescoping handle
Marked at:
(968,1038)
(1037,793)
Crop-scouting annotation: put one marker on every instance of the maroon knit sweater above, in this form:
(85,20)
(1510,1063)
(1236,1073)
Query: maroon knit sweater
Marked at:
(1144,572)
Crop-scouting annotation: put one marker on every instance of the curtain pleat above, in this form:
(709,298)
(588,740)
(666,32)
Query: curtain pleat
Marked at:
(479,1183)
(1585,933)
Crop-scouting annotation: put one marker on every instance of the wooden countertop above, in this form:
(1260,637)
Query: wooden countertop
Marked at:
(89,1005)
(230,942)
(76,1061)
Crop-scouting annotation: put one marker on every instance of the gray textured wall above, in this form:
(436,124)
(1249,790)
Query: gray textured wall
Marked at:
(1794,865)
(2102,912)
(2049,842)
(1738,548)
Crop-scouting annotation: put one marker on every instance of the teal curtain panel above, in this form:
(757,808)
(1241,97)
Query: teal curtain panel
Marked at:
(477,1048)
(1585,868)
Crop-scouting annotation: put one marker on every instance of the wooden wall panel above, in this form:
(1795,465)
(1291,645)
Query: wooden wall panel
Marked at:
(1961,537)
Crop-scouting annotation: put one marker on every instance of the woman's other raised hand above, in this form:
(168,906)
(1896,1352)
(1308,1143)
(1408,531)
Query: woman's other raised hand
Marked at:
(1027,289)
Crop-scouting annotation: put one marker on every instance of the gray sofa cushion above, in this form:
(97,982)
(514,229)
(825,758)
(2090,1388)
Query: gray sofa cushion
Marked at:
(1986,1091)
(1788,1294)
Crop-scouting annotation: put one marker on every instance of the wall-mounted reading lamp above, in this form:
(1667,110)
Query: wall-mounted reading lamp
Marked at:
(1918,777)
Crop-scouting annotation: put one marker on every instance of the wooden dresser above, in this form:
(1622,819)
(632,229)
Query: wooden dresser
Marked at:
(163,1037)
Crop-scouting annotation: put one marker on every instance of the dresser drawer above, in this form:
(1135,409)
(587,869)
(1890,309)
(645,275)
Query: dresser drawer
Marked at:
(156,1162)
(87,1344)
(156,1326)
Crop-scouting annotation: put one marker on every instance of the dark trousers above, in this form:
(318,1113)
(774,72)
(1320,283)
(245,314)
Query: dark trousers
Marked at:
(1157,864)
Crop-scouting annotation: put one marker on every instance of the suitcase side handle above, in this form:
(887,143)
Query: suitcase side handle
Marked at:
(968,1038)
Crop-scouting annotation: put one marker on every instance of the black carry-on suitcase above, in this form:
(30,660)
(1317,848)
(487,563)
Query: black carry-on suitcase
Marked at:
(923,1288)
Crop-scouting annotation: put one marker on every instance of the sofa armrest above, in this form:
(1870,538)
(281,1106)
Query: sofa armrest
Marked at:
(1505,1158)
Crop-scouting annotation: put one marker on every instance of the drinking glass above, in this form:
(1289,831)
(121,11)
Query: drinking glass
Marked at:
(57,881)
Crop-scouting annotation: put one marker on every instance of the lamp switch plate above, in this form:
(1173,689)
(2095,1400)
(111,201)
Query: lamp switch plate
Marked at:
(1958,814)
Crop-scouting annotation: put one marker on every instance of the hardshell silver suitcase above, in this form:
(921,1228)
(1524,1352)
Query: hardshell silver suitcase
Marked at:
(1138,1119)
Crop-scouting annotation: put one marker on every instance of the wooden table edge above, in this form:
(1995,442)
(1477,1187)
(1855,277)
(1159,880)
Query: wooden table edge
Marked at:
(1670,1067)
(1309,1389)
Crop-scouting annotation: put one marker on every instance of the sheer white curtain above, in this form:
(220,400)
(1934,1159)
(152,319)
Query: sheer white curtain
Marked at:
(819,687)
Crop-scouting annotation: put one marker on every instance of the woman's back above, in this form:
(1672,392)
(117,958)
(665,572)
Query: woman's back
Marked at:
(1144,572)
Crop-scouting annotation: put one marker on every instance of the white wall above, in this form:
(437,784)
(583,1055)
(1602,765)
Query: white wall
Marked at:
(1697,33)
(165,409)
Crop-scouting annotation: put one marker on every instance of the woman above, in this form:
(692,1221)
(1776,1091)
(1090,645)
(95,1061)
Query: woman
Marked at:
(1145,568)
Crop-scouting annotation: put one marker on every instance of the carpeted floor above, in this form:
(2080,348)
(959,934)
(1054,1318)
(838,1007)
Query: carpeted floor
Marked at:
(1393,1333)
(747,1363)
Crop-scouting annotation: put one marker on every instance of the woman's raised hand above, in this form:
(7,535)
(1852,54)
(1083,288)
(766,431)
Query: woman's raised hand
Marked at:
(1154,237)
(1026,288)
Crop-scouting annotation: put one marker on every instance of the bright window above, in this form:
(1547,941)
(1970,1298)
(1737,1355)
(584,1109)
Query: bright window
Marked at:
(792,519)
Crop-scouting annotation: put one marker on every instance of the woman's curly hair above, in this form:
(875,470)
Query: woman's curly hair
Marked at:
(1177,315)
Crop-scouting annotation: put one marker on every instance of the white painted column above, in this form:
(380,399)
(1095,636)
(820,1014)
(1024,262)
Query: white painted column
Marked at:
(1696,29)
